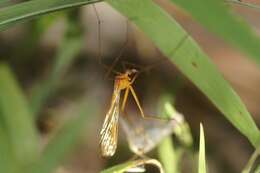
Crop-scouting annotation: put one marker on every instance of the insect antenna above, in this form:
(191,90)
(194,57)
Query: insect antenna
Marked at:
(153,65)
(109,68)
(146,69)
(121,51)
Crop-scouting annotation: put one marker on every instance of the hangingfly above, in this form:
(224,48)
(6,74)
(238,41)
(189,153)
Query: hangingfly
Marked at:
(109,131)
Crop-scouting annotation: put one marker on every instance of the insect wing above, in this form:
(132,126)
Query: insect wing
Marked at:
(109,131)
(144,134)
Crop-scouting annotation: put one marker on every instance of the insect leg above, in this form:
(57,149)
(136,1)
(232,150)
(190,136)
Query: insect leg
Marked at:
(137,101)
(124,100)
(141,110)
(180,43)
(134,78)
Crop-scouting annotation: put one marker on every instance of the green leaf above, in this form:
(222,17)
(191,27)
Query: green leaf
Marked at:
(30,9)
(251,162)
(120,168)
(202,157)
(169,156)
(257,170)
(16,118)
(215,15)
(124,167)
(7,162)
(64,141)
(182,130)
(167,35)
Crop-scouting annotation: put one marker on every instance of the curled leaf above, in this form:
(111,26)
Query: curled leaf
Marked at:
(134,165)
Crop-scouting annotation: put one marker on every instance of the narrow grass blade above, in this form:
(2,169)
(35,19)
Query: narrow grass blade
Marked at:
(172,40)
(64,141)
(168,153)
(7,162)
(202,158)
(16,118)
(251,162)
(182,130)
(257,170)
(27,10)
(169,156)
(215,15)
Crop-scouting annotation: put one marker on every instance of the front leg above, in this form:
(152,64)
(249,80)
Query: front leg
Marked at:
(124,100)
(142,112)
(134,78)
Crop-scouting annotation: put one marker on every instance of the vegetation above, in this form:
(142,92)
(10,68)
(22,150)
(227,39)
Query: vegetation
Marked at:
(21,107)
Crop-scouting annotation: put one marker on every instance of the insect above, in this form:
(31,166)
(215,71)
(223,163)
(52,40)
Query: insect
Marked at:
(122,82)
(109,131)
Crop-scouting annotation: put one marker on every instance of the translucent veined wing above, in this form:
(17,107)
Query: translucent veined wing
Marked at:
(144,134)
(109,131)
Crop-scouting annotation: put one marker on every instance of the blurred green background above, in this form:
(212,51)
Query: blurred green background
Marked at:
(54,92)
